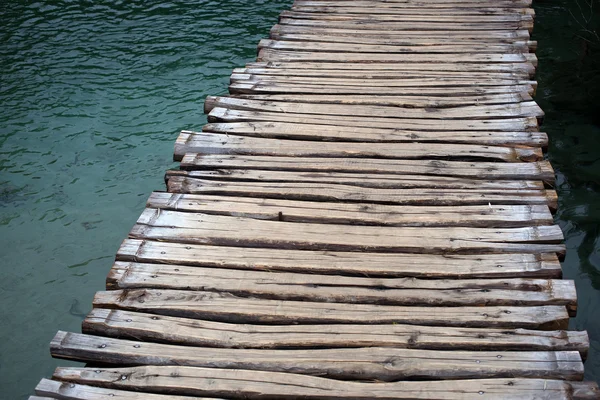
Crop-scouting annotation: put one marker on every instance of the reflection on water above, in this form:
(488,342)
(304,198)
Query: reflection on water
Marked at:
(93,94)
(569,93)
(92,97)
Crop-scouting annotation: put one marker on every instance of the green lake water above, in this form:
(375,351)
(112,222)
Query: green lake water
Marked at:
(92,97)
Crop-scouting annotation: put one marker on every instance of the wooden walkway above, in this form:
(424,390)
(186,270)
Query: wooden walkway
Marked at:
(368,215)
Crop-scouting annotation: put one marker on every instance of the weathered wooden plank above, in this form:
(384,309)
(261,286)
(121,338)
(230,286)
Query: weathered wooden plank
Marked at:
(351,8)
(523,68)
(392,48)
(403,86)
(256,87)
(541,170)
(193,332)
(331,133)
(420,44)
(315,288)
(216,143)
(417,4)
(344,263)
(515,110)
(307,56)
(225,307)
(218,114)
(383,181)
(385,364)
(357,214)
(346,193)
(500,18)
(270,385)
(392,74)
(220,230)
(74,391)
(410,25)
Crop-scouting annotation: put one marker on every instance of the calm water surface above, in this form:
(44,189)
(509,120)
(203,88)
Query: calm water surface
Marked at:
(92,96)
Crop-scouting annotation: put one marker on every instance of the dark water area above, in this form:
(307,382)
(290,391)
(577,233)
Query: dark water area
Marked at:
(569,92)
(92,97)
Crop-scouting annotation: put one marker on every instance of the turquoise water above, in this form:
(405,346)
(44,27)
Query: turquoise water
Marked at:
(93,95)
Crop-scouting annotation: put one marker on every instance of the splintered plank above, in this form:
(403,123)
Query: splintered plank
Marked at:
(450,18)
(316,132)
(351,8)
(466,88)
(225,307)
(448,4)
(385,74)
(408,123)
(72,391)
(384,181)
(404,25)
(193,332)
(410,86)
(219,114)
(351,264)
(241,384)
(392,48)
(458,45)
(524,109)
(359,214)
(311,56)
(521,68)
(217,143)
(541,170)
(220,230)
(355,194)
(385,364)
(305,287)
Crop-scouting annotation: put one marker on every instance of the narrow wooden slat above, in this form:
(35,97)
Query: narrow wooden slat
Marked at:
(270,385)
(524,109)
(541,170)
(225,307)
(319,132)
(305,287)
(504,124)
(385,364)
(374,17)
(352,264)
(73,391)
(391,74)
(245,232)
(359,214)
(391,48)
(383,181)
(307,56)
(352,194)
(412,89)
(417,3)
(193,332)
(216,143)
(351,8)
(410,25)
(524,68)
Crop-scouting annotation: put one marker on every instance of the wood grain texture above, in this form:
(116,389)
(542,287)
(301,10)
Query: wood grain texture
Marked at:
(73,391)
(343,263)
(220,230)
(194,332)
(225,307)
(240,384)
(385,364)
(354,194)
(359,214)
(541,170)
